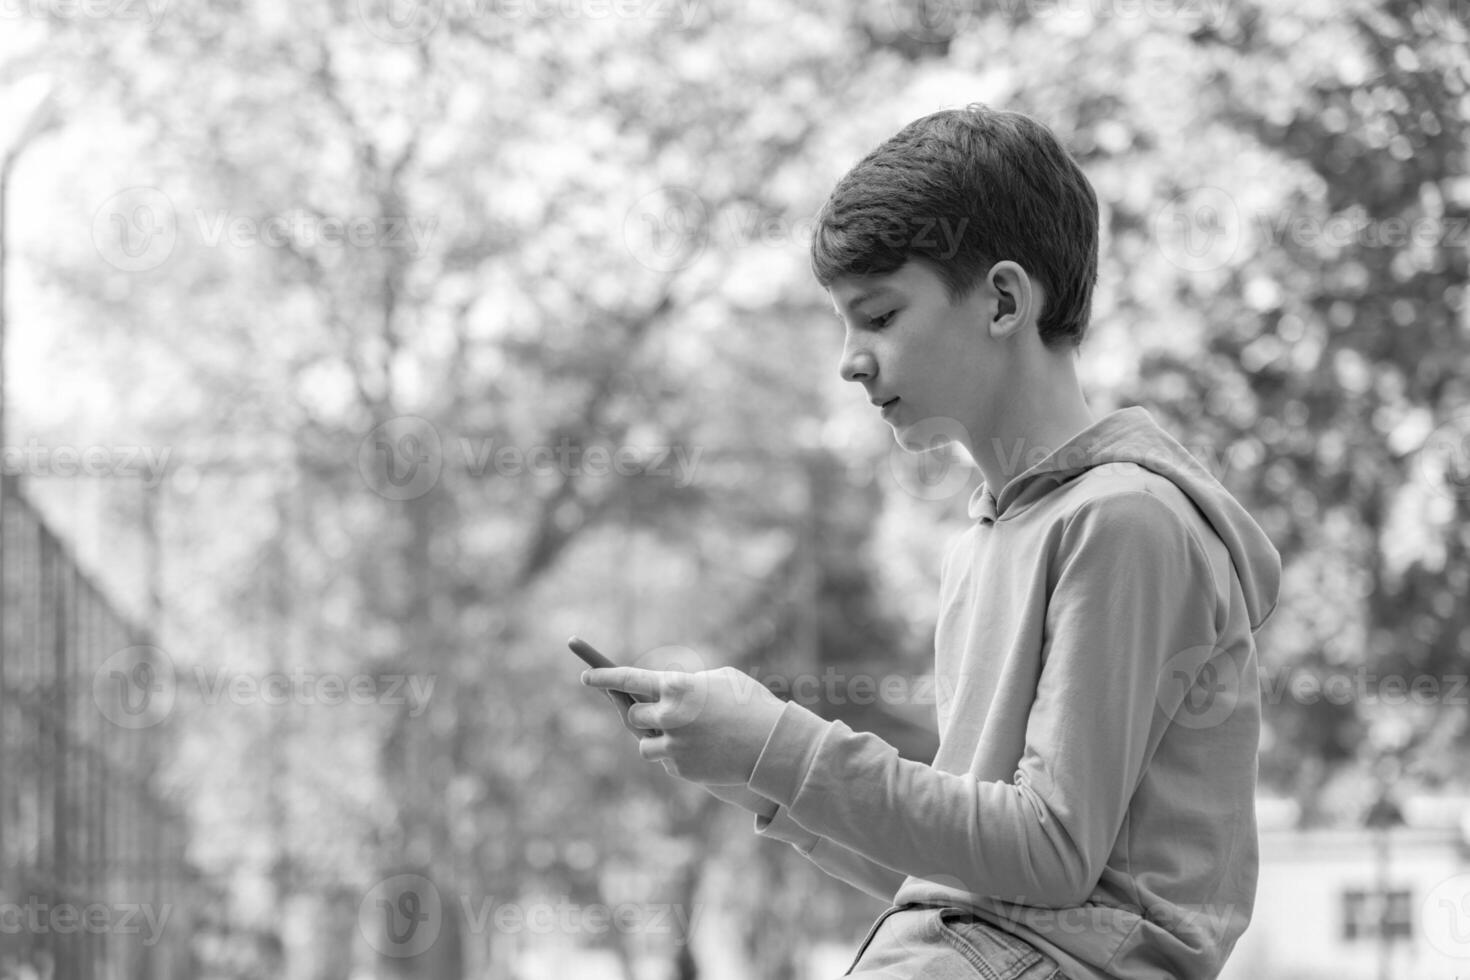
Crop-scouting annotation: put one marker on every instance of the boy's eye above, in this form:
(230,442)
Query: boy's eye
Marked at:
(882,320)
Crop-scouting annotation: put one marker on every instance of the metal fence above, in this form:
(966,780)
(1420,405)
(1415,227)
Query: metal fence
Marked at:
(93,878)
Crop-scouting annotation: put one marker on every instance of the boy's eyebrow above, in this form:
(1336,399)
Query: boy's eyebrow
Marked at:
(868,294)
(864,296)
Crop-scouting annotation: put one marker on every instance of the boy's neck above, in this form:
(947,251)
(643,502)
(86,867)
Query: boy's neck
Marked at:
(1045,409)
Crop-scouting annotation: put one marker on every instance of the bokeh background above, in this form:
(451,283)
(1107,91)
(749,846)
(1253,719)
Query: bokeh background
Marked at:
(356,353)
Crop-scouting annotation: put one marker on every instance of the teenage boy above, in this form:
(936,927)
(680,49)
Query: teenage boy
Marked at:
(1090,811)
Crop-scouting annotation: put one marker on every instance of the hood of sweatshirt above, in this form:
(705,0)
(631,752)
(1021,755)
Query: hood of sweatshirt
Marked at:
(1130,435)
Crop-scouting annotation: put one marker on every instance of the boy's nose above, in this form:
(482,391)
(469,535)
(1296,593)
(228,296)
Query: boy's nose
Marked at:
(857,366)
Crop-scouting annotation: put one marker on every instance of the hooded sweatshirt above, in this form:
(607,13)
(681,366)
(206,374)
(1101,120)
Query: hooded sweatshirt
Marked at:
(1095,678)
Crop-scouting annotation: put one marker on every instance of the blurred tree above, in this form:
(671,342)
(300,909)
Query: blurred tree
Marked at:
(484,312)
(1348,324)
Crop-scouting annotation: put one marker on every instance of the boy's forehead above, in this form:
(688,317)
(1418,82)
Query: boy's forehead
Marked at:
(850,291)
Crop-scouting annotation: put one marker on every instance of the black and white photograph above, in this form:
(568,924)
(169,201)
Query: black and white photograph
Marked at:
(710,490)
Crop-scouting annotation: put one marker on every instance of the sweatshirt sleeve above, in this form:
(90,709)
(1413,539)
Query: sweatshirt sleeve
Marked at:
(838,861)
(1132,588)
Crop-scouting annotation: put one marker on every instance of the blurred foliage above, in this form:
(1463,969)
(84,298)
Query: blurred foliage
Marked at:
(607,251)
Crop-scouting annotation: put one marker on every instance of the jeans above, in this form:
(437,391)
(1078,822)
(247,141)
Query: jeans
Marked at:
(932,942)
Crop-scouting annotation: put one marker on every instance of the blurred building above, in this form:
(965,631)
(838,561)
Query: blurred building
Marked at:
(93,880)
(1361,903)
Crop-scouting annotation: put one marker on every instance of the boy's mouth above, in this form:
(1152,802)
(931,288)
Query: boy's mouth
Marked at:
(887,406)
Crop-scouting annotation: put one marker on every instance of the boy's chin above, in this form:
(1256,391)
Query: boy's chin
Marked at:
(909,443)
(940,468)
(928,435)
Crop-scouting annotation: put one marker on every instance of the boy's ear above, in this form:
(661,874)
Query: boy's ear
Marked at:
(1005,302)
(1015,298)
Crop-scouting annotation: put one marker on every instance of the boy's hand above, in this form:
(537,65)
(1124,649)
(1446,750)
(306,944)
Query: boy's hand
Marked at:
(714,722)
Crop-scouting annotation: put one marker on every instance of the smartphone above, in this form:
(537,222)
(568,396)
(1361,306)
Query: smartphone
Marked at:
(594,658)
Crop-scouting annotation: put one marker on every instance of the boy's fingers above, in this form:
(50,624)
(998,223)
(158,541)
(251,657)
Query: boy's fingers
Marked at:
(625,710)
(655,748)
(621,702)
(642,718)
(634,680)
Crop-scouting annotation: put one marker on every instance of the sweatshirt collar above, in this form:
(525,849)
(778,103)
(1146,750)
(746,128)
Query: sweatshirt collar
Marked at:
(1060,465)
(1130,436)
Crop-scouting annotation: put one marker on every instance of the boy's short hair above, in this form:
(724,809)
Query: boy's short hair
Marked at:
(963,189)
